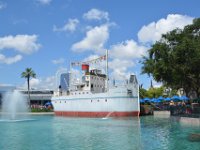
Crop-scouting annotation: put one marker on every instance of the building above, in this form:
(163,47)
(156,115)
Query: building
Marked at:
(64,81)
(39,97)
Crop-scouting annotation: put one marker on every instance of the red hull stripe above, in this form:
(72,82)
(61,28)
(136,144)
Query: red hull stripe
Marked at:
(96,114)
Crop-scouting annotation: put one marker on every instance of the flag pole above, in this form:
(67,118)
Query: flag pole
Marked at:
(107,70)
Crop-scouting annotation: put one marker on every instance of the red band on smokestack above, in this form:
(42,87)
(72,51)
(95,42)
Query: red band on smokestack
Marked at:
(85,67)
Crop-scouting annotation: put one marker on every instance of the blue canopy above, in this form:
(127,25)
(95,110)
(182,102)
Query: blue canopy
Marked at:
(160,98)
(48,103)
(158,101)
(153,100)
(141,101)
(146,99)
(184,98)
(175,97)
(167,99)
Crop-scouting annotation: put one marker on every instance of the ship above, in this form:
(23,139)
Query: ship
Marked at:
(92,96)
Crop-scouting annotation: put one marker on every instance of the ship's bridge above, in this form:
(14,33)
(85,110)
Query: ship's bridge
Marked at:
(94,81)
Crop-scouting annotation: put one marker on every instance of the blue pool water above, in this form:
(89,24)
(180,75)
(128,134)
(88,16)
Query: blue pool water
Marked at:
(58,133)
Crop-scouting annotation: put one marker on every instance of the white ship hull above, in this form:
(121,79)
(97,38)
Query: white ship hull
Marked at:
(115,103)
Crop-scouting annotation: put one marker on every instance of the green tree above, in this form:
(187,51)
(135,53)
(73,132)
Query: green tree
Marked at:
(175,59)
(143,93)
(28,74)
(151,92)
(155,92)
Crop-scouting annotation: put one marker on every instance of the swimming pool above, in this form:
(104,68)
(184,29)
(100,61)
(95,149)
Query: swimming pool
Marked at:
(58,133)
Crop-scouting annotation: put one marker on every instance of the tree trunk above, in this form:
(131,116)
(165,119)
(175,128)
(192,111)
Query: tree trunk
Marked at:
(198,93)
(29,98)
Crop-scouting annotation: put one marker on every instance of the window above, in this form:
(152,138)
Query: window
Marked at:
(105,100)
(91,101)
(98,100)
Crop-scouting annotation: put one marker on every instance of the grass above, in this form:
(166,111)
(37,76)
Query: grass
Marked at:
(41,110)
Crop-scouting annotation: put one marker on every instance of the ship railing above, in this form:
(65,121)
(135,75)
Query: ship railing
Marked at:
(61,93)
(67,93)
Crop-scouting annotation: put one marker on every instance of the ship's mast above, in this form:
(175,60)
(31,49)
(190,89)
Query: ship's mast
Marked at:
(107,71)
(70,76)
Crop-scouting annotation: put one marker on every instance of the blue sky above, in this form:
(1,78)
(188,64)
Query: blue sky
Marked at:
(47,34)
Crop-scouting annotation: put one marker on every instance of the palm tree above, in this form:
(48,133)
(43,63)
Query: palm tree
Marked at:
(28,73)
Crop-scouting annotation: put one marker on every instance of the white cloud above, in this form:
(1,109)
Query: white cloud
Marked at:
(95,14)
(71,26)
(34,82)
(120,68)
(2,5)
(22,43)
(44,2)
(153,31)
(127,50)
(91,57)
(20,21)
(94,40)
(156,84)
(48,83)
(9,60)
(41,83)
(58,61)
